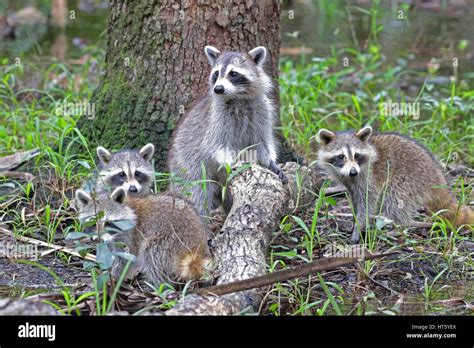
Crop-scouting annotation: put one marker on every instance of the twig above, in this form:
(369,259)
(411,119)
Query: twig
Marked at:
(341,214)
(417,224)
(335,190)
(54,247)
(382,285)
(10,201)
(280,276)
(14,161)
(412,224)
(17,175)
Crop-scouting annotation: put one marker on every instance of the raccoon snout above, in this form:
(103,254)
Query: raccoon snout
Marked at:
(353,172)
(219,89)
(133,189)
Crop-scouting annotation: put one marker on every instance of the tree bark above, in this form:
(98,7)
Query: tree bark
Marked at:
(155,65)
(240,250)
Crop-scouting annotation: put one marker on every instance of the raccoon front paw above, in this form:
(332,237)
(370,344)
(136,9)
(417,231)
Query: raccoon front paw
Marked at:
(283,177)
(279,172)
(355,237)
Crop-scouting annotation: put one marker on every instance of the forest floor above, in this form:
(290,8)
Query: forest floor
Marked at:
(428,275)
(432,273)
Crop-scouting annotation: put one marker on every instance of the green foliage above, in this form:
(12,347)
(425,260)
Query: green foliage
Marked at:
(346,89)
(322,92)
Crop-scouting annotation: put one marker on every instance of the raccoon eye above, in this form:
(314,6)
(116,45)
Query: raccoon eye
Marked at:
(216,74)
(233,74)
(356,156)
(122,174)
(138,174)
(341,157)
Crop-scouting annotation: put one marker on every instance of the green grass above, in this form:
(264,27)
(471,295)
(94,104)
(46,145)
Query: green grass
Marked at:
(319,94)
(314,93)
(30,120)
(322,93)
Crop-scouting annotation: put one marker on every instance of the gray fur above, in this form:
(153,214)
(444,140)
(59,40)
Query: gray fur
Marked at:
(165,229)
(129,162)
(88,207)
(240,117)
(396,169)
(110,204)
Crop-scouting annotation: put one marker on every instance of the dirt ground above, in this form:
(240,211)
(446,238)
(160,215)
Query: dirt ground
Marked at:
(404,273)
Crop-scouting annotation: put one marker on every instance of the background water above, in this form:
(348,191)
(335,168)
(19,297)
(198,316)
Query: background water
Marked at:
(442,30)
(437,29)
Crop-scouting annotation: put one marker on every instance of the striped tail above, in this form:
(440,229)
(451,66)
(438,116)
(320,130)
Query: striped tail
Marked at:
(193,265)
(451,210)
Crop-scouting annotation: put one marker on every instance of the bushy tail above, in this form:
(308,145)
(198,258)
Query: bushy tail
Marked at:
(462,215)
(193,265)
(451,210)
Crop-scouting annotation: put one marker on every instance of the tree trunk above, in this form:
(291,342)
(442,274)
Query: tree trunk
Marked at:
(155,65)
(240,250)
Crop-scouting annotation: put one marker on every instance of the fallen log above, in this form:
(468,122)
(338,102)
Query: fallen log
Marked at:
(14,161)
(259,201)
(9,306)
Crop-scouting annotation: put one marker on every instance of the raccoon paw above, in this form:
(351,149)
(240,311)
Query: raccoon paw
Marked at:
(355,235)
(279,172)
(283,177)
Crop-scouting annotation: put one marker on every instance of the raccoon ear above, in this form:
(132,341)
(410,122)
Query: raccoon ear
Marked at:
(103,154)
(325,136)
(259,55)
(119,195)
(364,134)
(82,198)
(212,54)
(147,151)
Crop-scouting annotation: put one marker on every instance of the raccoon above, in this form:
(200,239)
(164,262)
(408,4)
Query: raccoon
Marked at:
(130,169)
(388,173)
(165,234)
(237,113)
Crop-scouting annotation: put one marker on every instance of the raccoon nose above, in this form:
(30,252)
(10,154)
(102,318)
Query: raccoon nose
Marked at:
(353,172)
(133,189)
(219,89)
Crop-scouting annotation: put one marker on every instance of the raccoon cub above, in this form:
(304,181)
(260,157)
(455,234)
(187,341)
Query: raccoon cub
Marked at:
(130,169)
(236,114)
(388,173)
(165,234)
